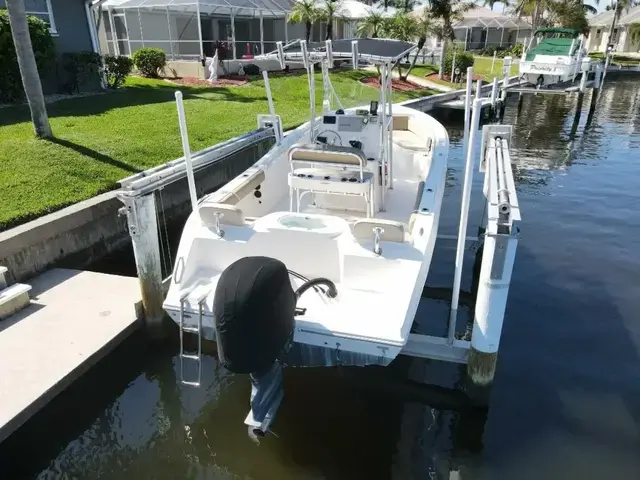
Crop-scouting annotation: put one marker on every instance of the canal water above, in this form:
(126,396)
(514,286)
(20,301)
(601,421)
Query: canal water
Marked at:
(566,398)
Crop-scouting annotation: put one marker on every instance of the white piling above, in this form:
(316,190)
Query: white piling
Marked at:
(491,301)
(479,89)
(506,66)
(494,93)
(464,217)
(493,61)
(187,151)
(598,77)
(583,82)
(467,111)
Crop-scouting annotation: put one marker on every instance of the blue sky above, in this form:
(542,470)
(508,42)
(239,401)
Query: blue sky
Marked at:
(603,3)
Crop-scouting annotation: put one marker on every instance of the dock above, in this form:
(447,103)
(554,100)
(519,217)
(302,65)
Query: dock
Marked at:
(74,319)
(459,103)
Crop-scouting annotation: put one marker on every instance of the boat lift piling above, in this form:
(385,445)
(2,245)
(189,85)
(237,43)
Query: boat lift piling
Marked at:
(500,243)
(143,229)
(464,217)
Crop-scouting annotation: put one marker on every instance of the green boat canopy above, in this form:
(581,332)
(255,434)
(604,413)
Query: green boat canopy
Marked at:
(553,46)
(568,31)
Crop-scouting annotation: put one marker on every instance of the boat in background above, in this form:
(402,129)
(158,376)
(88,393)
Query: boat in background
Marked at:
(553,56)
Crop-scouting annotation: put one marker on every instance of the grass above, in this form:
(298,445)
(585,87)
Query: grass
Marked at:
(104,138)
(618,59)
(481,66)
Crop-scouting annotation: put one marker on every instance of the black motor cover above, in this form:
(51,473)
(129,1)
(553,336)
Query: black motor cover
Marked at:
(254,307)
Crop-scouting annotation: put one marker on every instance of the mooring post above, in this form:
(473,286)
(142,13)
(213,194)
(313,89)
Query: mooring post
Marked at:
(498,257)
(494,94)
(506,65)
(583,82)
(597,79)
(143,228)
(467,111)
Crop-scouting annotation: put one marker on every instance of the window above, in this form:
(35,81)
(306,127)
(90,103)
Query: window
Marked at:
(42,10)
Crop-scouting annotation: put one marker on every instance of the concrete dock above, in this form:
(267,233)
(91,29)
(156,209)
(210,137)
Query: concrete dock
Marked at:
(75,318)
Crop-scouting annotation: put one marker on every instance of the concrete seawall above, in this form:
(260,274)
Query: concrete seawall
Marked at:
(84,232)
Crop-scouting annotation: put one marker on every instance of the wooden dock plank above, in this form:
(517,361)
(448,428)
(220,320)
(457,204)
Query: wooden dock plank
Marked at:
(74,319)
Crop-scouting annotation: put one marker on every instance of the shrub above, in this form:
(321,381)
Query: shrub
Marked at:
(43,49)
(149,60)
(116,69)
(82,68)
(516,50)
(464,60)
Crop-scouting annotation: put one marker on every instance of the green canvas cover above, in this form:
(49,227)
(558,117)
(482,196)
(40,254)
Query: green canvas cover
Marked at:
(553,46)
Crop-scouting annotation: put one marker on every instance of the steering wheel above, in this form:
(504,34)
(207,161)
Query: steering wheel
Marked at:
(332,138)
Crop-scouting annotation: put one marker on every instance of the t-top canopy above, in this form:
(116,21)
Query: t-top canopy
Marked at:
(381,49)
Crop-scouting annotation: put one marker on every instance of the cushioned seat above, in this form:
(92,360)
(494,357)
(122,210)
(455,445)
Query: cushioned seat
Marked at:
(409,140)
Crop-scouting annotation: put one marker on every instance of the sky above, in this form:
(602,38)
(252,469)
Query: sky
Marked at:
(603,3)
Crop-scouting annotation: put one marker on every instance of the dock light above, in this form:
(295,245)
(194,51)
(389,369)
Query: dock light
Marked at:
(280,55)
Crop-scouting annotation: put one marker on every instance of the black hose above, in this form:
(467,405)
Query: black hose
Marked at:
(332,293)
(305,279)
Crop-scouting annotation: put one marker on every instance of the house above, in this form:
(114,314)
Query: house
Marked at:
(236,29)
(600,26)
(71,28)
(482,28)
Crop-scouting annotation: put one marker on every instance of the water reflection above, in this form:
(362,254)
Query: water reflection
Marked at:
(565,401)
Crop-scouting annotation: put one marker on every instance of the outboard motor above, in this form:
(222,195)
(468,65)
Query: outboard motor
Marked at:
(254,308)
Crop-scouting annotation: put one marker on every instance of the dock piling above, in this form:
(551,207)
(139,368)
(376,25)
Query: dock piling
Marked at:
(467,110)
(493,289)
(498,253)
(494,94)
(506,69)
(143,228)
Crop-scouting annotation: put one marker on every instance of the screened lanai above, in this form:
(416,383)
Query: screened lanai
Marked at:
(194,29)
(481,28)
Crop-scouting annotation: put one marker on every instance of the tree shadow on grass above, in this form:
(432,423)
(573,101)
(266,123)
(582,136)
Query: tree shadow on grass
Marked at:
(128,96)
(88,152)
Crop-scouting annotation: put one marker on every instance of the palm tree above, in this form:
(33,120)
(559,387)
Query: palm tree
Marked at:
(304,11)
(449,11)
(620,5)
(424,27)
(330,11)
(28,68)
(634,34)
(373,25)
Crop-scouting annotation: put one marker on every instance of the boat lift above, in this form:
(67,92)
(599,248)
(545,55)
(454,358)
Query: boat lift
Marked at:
(501,233)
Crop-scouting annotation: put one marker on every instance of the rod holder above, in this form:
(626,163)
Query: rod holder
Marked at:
(187,151)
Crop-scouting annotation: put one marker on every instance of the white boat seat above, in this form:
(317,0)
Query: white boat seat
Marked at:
(229,214)
(409,140)
(240,187)
(392,231)
(348,177)
(330,154)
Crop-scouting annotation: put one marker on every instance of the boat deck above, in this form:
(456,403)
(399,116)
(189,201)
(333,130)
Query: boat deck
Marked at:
(75,318)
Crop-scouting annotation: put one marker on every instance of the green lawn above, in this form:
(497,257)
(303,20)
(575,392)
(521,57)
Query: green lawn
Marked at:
(481,66)
(618,59)
(104,138)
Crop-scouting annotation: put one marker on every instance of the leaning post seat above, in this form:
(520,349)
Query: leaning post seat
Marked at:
(334,170)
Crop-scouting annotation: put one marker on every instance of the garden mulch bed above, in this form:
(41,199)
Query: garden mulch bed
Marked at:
(397,84)
(226,81)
